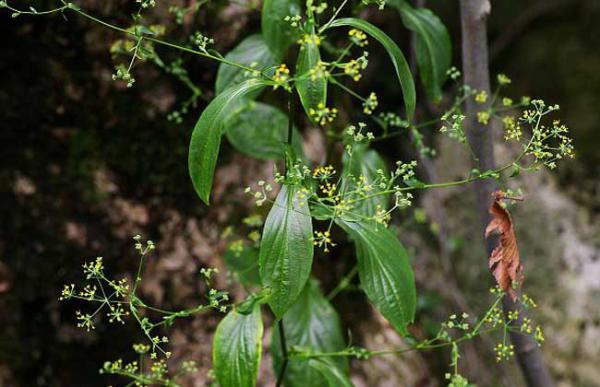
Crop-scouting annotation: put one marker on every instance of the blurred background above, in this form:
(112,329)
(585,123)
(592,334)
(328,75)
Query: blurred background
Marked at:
(86,163)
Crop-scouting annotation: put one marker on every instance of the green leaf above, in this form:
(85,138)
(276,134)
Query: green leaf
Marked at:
(261,131)
(237,348)
(385,272)
(286,249)
(433,46)
(278,33)
(312,90)
(311,323)
(332,375)
(206,137)
(405,78)
(365,162)
(243,262)
(251,52)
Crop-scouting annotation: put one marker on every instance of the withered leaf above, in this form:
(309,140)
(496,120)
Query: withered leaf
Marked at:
(504,262)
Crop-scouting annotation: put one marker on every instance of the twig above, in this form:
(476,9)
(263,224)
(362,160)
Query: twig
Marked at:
(284,353)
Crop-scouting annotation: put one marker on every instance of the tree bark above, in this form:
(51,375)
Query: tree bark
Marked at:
(476,75)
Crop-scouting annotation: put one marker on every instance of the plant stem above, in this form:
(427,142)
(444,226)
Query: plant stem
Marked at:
(284,353)
(290,118)
(337,11)
(343,284)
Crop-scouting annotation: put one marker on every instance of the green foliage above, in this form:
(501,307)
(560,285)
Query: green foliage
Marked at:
(385,272)
(206,137)
(399,61)
(251,52)
(286,249)
(433,46)
(332,376)
(278,33)
(260,131)
(368,166)
(313,325)
(311,82)
(237,348)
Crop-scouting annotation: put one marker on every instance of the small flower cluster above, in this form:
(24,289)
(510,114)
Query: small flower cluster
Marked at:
(297,173)
(208,272)
(122,73)
(457,322)
(146,3)
(453,73)
(322,114)
(328,189)
(528,302)
(354,67)
(495,317)
(201,41)
(146,371)
(322,239)
(318,9)
(309,39)
(358,37)
(357,135)
(457,380)
(406,171)
(453,126)
(548,144)
(139,246)
(360,353)
(481,97)
(392,120)
(216,298)
(294,21)
(370,104)
(324,172)
(260,196)
(503,80)
(119,300)
(504,351)
(319,71)
(382,216)
(282,77)
(483,117)
(512,128)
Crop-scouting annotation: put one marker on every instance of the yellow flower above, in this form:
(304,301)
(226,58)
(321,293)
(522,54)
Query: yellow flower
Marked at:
(503,79)
(481,97)
(483,117)
(358,37)
(281,77)
(370,104)
(322,114)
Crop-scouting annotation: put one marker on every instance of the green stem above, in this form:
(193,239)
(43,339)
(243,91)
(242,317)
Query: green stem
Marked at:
(337,11)
(343,284)
(163,42)
(284,351)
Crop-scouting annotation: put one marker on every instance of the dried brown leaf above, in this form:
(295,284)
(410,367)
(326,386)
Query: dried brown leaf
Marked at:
(504,262)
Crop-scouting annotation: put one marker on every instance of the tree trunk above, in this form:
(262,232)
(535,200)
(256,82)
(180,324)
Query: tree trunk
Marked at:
(476,75)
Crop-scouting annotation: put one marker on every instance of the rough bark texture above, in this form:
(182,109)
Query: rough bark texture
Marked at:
(476,74)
